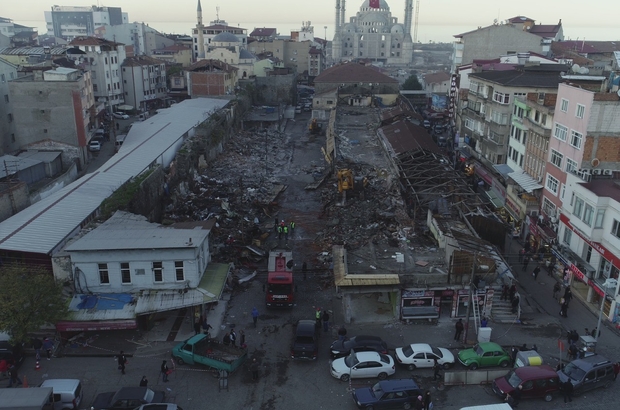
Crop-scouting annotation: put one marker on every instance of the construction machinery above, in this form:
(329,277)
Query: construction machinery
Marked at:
(314,127)
(280,282)
(345,182)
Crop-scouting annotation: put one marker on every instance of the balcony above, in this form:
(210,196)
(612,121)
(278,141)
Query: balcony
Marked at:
(537,128)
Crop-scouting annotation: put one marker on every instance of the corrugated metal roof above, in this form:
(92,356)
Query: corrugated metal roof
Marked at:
(125,231)
(15,164)
(31,50)
(44,226)
(43,156)
(525,181)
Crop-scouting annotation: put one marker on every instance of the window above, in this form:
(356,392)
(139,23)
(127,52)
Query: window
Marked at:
(469,123)
(556,158)
(552,184)
(588,212)
(575,139)
(571,166)
(564,105)
(2,77)
(615,229)
(104,276)
(581,109)
(125,273)
(501,97)
(560,132)
(548,207)
(578,207)
(568,234)
(600,217)
(6,98)
(178,270)
(158,272)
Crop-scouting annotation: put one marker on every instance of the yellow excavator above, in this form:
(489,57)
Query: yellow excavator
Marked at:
(314,127)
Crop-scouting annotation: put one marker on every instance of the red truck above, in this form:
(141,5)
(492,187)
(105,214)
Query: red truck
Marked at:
(280,282)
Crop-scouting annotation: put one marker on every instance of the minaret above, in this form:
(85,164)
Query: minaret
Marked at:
(343,11)
(337,23)
(200,53)
(408,15)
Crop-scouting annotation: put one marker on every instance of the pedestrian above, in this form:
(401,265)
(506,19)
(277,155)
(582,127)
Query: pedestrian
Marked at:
(523,348)
(515,304)
(459,329)
(275,224)
(242,340)
(226,339)
(164,371)
(144,382)
(616,370)
(513,355)
(317,317)
(233,338)
(436,368)
(593,333)
(564,309)
(342,333)
(122,361)
(505,290)
(526,261)
(280,231)
(197,326)
(516,396)
(37,345)
(13,377)
(292,227)
(556,290)
(254,315)
(254,369)
(512,291)
(567,390)
(419,403)
(568,295)
(559,367)
(536,271)
(428,404)
(325,318)
(484,322)
(206,326)
(285,229)
(551,265)
(566,277)
(521,254)
(48,346)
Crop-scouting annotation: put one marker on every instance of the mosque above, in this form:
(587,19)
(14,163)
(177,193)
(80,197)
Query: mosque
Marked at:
(373,34)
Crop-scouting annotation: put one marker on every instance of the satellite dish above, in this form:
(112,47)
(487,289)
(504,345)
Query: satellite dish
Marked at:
(595,162)
(618,92)
(584,70)
(575,68)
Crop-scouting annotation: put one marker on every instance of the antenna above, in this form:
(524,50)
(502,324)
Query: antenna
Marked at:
(217,13)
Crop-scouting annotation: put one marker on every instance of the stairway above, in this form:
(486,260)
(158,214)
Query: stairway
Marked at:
(501,311)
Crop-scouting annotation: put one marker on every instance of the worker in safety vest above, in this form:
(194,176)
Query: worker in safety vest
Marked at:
(280,232)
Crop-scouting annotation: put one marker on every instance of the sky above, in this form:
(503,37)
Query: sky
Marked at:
(437,18)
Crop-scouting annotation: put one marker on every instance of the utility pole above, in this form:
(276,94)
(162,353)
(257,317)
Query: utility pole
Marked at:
(471,299)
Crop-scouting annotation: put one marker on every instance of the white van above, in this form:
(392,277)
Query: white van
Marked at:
(67,393)
(498,406)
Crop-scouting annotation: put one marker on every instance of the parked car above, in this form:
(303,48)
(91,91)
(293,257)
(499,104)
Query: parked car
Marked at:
(588,373)
(484,355)
(536,382)
(401,393)
(67,393)
(120,115)
(94,145)
(363,365)
(159,406)
(362,343)
(423,355)
(11,354)
(305,340)
(426,124)
(127,398)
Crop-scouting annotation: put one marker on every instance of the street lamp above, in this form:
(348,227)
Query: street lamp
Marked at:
(609,283)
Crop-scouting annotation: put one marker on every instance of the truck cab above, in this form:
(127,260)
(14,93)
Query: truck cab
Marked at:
(280,281)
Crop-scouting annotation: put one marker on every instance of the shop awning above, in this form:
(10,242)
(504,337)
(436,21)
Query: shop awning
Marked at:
(125,107)
(503,169)
(495,200)
(525,181)
(209,290)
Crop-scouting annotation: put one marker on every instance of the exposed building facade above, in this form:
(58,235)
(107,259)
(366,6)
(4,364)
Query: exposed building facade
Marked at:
(8,139)
(373,34)
(144,39)
(174,54)
(70,22)
(144,81)
(210,78)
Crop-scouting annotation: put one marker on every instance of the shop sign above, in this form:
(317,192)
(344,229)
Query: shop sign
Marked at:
(513,207)
(578,273)
(605,253)
(498,188)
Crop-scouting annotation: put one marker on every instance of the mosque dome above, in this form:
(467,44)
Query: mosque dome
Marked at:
(226,37)
(382,5)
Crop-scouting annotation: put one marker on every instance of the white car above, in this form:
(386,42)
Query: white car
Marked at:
(120,115)
(423,355)
(363,365)
(94,146)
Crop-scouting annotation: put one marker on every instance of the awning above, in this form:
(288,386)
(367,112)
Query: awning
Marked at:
(525,181)
(66,326)
(124,107)
(503,169)
(495,200)
(209,290)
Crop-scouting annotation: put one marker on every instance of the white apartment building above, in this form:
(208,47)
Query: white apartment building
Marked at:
(70,22)
(144,81)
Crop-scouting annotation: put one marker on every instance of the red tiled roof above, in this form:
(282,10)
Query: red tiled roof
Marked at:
(205,65)
(92,41)
(590,47)
(545,30)
(353,73)
(263,32)
(436,78)
(174,47)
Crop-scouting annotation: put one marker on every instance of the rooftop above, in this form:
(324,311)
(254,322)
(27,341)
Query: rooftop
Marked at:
(263,32)
(353,73)
(138,61)
(93,41)
(544,75)
(436,78)
(605,188)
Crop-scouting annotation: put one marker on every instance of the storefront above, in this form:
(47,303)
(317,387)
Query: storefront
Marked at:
(511,214)
(483,297)
(419,304)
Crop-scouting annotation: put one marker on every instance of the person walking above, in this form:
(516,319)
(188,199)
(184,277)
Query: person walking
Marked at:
(122,361)
(436,368)
(568,295)
(285,229)
(164,371)
(536,271)
(512,291)
(254,315)
(459,329)
(242,340)
(564,309)
(505,290)
(516,397)
(304,269)
(427,400)
(292,227)
(254,369)
(567,389)
(280,231)
(206,326)
(37,345)
(419,403)
(515,304)
(144,382)
(556,290)
(484,322)
(325,318)
(233,338)
(13,377)
(526,261)
(342,333)
(196,326)
(226,339)
(317,317)
(48,346)
(521,255)
(616,370)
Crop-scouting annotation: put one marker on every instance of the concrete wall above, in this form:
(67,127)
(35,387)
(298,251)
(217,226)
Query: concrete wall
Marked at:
(276,89)
(494,41)
(13,195)
(56,185)
(148,199)
(7,128)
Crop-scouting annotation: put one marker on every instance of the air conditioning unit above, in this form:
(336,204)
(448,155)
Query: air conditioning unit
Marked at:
(585,171)
(539,179)
(587,177)
(534,213)
(607,172)
(597,171)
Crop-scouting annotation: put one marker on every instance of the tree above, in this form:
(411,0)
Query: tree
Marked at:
(29,299)
(412,83)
